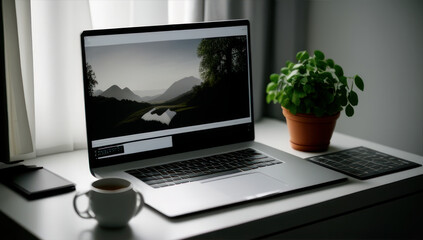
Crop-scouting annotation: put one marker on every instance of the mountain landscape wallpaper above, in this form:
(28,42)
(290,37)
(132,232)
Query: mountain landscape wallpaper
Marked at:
(142,87)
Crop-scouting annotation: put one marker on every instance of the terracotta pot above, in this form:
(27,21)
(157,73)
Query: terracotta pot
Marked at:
(309,133)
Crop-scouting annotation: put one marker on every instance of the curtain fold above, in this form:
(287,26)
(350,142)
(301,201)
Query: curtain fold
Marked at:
(58,81)
(50,78)
(18,72)
(186,11)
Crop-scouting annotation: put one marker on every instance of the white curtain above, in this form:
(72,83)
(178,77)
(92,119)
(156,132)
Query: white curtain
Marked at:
(49,89)
(58,96)
(19,75)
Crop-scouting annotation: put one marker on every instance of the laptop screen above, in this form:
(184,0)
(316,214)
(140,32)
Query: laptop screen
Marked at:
(151,91)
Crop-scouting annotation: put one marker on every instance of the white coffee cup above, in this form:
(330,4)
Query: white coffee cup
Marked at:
(112,202)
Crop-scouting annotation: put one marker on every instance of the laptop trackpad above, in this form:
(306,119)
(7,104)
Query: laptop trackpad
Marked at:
(248,186)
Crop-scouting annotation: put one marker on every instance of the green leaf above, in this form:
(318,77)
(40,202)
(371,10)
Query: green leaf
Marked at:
(302,55)
(288,90)
(329,97)
(343,80)
(296,98)
(299,54)
(338,71)
(270,97)
(301,93)
(274,78)
(330,63)
(343,97)
(294,80)
(292,109)
(309,104)
(321,64)
(312,62)
(310,68)
(353,98)
(308,89)
(293,73)
(319,55)
(303,80)
(285,101)
(279,97)
(296,66)
(271,87)
(289,64)
(349,110)
(327,75)
(302,70)
(285,70)
(318,111)
(305,56)
(359,82)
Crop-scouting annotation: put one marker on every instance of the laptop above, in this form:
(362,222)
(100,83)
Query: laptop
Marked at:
(170,108)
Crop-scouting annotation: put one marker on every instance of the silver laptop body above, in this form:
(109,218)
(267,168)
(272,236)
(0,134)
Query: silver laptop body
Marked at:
(164,95)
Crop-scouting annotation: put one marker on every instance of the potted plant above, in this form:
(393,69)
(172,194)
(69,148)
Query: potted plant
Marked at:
(312,93)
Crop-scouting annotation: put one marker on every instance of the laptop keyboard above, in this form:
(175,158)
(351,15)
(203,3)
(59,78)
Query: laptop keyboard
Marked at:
(202,168)
(363,163)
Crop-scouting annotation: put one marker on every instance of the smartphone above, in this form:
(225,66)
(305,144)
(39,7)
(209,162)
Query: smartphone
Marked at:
(39,183)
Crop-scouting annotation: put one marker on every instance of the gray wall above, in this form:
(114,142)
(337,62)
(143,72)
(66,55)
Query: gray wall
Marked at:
(381,40)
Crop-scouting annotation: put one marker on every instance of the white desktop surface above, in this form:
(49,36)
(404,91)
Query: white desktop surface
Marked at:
(54,217)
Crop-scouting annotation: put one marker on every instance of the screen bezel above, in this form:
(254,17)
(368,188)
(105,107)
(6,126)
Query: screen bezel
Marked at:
(185,141)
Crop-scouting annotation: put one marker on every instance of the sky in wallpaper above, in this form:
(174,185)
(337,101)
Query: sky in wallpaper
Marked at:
(144,66)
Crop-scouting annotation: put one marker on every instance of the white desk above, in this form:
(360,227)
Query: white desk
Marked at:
(323,212)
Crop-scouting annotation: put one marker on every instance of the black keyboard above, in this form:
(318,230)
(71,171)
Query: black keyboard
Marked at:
(363,163)
(202,168)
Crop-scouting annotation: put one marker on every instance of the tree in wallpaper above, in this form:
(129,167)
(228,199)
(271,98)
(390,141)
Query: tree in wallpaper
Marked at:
(91,79)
